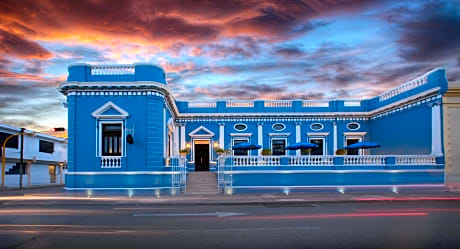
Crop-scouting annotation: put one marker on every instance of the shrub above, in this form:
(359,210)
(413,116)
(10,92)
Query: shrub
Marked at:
(341,152)
(266,152)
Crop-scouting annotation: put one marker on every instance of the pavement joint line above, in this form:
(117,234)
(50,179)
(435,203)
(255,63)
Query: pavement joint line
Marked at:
(225,203)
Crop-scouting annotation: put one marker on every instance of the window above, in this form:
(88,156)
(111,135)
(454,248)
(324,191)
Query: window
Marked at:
(169,144)
(240,152)
(316,126)
(240,127)
(111,139)
(278,147)
(278,127)
(351,141)
(12,142)
(320,150)
(353,126)
(46,147)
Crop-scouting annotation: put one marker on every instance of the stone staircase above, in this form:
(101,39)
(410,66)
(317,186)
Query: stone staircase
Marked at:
(201,183)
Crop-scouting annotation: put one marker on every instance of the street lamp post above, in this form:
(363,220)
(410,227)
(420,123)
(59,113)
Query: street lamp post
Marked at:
(22,133)
(21,160)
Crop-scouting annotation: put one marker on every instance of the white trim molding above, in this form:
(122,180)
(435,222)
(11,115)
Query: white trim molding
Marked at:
(201,128)
(317,134)
(240,134)
(281,134)
(99,112)
(361,133)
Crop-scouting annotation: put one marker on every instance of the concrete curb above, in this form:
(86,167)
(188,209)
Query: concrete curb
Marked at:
(30,187)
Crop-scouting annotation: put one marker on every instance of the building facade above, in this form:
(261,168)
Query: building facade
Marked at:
(126,130)
(44,158)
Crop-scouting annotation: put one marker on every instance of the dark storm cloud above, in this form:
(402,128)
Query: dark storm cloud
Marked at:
(289,51)
(434,33)
(240,47)
(158,22)
(17,46)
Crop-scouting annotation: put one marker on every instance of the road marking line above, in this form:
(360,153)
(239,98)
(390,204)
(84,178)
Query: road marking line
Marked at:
(218,214)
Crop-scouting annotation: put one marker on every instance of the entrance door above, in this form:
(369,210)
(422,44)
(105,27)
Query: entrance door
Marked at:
(201,157)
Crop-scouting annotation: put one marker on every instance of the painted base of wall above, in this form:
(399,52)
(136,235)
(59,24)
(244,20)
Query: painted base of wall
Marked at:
(122,192)
(335,190)
(119,180)
(332,179)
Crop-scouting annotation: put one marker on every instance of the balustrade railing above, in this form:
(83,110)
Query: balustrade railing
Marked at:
(111,162)
(315,103)
(256,161)
(112,69)
(278,103)
(364,160)
(179,173)
(202,104)
(416,160)
(311,160)
(239,103)
(352,103)
(327,160)
(404,88)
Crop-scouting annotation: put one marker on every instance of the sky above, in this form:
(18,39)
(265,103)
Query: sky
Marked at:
(237,49)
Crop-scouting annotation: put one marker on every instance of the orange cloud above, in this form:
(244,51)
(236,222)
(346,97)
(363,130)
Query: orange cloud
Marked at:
(17,46)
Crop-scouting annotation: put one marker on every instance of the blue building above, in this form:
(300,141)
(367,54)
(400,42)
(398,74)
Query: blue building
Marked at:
(126,130)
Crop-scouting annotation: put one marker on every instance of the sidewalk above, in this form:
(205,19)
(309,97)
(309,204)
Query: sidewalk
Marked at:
(58,196)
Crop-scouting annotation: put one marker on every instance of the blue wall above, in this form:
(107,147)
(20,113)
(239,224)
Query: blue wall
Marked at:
(407,132)
(145,119)
(143,72)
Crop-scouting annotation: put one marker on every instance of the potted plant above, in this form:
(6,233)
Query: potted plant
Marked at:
(266,152)
(341,152)
(305,151)
(220,151)
(184,152)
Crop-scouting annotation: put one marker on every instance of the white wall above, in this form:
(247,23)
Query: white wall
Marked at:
(451,120)
(38,161)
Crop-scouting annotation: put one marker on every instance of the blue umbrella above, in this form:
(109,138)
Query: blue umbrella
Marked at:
(246,146)
(301,146)
(363,145)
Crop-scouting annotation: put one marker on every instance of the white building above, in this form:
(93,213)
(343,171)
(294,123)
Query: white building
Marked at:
(45,157)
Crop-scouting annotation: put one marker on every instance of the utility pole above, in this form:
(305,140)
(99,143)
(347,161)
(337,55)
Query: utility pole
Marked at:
(21,160)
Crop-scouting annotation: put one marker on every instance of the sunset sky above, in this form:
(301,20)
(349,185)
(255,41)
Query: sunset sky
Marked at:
(311,49)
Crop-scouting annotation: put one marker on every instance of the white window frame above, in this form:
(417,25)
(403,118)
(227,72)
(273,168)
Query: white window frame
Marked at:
(324,143)
(239,138)
(99,136)
(245,127)
(278,138)
(319,135)
(320,129)
(359,126)
(360,139)
(273,126)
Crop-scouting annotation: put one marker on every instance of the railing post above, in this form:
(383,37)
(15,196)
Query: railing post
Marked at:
(338,160)
(284,161)
(390,160)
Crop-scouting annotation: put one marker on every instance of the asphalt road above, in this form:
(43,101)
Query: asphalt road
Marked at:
(333,225)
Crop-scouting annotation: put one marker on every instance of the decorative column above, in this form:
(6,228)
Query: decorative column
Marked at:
(335,137)
(260,140)
(176,140)
(297,136)
(222,135)
(182,136)
(165,134)
(436,148)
